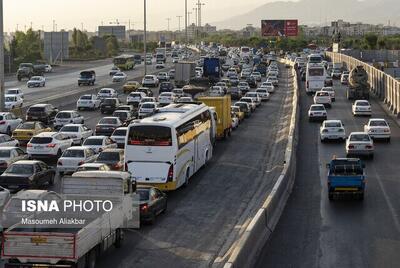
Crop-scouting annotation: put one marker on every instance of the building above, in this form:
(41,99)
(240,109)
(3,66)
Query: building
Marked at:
(117,30)
(194,30)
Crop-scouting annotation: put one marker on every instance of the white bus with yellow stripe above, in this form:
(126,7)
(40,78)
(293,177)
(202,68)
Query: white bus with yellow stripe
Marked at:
(167,148)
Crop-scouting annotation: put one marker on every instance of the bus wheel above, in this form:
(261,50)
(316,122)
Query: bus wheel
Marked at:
(187,178)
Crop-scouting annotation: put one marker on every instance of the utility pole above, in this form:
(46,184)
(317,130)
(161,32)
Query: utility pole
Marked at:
(179,23)
(186,23)
(168,20)
(195,16)
(1,58)
(189,18)
(144,39)
(199,4)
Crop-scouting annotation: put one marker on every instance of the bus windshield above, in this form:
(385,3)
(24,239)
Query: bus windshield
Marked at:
(150,136)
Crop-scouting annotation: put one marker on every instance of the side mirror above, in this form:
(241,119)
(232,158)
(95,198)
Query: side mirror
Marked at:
(328,166)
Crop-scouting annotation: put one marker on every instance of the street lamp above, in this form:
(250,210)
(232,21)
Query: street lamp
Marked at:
(144,38)
(1,58)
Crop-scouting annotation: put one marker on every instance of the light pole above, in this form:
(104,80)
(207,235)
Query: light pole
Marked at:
(1,58)
(186,20)
(144,38)
(168,19)
(179,27)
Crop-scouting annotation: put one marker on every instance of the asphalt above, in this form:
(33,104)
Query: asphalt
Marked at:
(314,232)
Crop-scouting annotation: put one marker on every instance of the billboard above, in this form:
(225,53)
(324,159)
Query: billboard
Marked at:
(56,46)
(271,28)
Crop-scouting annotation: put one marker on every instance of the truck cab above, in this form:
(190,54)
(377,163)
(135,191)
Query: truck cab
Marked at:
(346,176)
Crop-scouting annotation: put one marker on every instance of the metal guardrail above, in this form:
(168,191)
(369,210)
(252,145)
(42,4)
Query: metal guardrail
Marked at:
(251,242)
(384,86)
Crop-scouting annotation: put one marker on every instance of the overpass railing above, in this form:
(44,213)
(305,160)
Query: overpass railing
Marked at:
(384,86)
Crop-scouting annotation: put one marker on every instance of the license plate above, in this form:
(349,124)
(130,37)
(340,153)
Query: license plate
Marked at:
(39,240)
(346,189)
(37,147)
(34,117)
(108,106)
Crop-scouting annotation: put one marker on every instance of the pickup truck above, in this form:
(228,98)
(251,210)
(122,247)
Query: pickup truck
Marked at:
(87,78)
(346,176)
(63,244)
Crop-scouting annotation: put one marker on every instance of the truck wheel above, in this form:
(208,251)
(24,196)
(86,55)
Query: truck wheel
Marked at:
(119,238)
(91,259)
(330,196)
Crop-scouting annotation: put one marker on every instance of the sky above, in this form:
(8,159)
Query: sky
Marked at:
(91,13)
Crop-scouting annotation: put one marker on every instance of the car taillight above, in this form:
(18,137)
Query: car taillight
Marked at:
(29,145)
(368,147)
(81,163)
(144,207)
(51,145)
(386,130)
(308,84)
(351,147)
(170,173)
(2,122)
(117,165)
(59,163)
(126,167)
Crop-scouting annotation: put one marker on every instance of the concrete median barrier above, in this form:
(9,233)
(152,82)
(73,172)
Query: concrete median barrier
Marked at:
(247,249)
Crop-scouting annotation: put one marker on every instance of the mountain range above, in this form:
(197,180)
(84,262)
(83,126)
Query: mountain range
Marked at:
(316,12)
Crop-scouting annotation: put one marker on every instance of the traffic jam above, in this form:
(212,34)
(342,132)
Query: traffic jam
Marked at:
(153,135)
(323,81)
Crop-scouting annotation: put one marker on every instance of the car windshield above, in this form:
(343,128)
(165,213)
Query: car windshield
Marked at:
(25,169)
(143,193)
(27,125)
(147,105)
(69,129)
(119,74)
(36,109)
(359,137)
(12,91)
(332,124)
(120,114)
(108,121)
(74,153)
(5,153)
(41,140)
(36,78)
(86,97)
(63,115)
(119,132)
(10,99)
(317,108)
(322,94)
(362,103)
(261,90)
(93,142)
(109,156)
(105,91)
(378,123)
(109,101)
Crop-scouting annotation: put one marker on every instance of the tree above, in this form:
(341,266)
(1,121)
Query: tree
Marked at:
(371,40)
(25,47)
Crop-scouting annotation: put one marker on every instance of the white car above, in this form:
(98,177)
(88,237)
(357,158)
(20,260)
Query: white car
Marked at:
(78,132)
(317,112)
(359,144)
(119,136)
(378,129)
(73,157)
(119,77)
(250,101)
(9,155)
(344,79)
(269,86)
(15,91)
(274,80)
(255,96)
(107,93)
(166,98)
(136,96)
(361,107)
(88,101)
(5,195)
(216,91)
(332,130)
(150,80)
(7,141)
(48,68)
(67,117)
(243,86)
(263,93)
(146,109)
(12,102)
(163,76)
(99,143)
(235,121)
(323,97)
(148,99)
(48,144)
(178,92)
(257,76)
(8,122)
(36,81)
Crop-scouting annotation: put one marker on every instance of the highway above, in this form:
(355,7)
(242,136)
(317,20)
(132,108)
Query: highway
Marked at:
(63,82)
(314,232)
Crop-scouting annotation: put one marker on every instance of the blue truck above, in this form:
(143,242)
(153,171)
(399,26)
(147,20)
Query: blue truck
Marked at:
(212,69)
(346,176)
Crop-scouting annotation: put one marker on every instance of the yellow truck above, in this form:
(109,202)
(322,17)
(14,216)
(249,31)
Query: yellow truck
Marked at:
(222,106)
